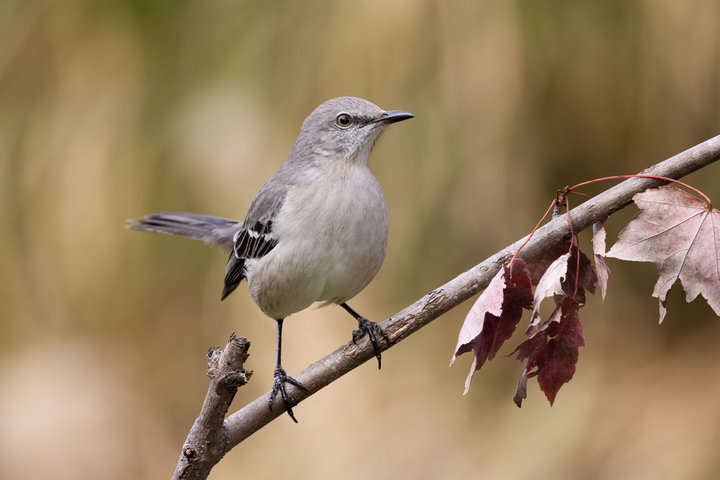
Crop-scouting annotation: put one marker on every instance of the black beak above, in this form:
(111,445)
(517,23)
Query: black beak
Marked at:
(392,116)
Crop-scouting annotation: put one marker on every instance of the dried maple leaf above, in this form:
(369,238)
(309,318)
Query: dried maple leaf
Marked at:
(566,276)
(583,270)
(601,268)
(681,235)
(540,263)
(550,284)
(493,317)
(552,351)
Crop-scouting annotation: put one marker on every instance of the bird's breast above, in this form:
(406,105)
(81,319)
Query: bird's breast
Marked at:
(332,238)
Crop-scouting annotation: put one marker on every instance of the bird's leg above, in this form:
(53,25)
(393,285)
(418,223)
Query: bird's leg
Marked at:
(366,326)
(281,378)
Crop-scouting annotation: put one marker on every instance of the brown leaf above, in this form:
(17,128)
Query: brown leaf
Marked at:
(493,317)
(540,263)
(601,268)
(550,284)
(681,235)
(552,351)
(568,276)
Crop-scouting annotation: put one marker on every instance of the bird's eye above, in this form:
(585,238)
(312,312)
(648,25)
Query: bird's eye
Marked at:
(343,120)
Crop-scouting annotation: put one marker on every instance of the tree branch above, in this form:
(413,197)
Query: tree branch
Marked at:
(207,441)
(249,419)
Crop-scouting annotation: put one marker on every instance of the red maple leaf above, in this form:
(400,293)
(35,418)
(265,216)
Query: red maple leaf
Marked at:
(567,276)
(540,263)
(550,284)
(494,316)
(681,235)
(552,351)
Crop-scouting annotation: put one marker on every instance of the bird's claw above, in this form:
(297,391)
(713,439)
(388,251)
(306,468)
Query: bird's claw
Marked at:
(281,378)
(371,328)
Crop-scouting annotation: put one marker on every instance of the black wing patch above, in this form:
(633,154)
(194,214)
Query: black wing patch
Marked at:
(253,242)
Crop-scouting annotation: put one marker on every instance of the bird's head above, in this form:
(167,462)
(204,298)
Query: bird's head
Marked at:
(345,128)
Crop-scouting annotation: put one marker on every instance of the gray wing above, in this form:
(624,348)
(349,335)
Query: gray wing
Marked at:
(256,238)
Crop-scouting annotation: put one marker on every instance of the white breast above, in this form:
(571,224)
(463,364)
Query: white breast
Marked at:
(331,242)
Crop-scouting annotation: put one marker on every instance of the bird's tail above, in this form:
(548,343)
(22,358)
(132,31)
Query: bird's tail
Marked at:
(216,231)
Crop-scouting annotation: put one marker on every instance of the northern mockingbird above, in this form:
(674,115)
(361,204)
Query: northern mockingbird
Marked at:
(316,231)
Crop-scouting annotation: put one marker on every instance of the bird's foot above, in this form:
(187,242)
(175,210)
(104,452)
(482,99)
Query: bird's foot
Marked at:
(372,329)
(281,378)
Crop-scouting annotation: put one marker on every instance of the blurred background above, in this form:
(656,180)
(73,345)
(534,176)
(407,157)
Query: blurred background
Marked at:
(112,109)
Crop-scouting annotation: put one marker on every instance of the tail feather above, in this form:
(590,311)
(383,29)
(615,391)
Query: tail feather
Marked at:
(216,231)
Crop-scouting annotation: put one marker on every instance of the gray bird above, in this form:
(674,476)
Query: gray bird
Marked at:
(316,231)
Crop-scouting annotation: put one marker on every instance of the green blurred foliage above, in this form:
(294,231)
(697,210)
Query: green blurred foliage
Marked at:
(112,109)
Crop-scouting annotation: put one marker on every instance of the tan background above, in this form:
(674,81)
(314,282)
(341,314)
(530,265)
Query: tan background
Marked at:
(112,109)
